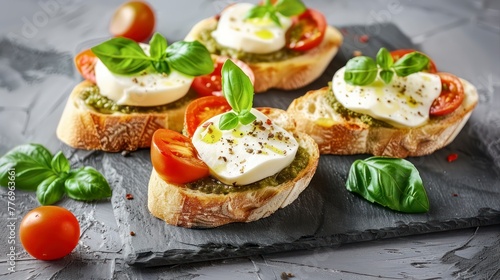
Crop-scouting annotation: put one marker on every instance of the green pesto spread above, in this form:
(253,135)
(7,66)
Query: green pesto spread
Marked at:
(211,185)
(348,114)
(92,98)
(211,44)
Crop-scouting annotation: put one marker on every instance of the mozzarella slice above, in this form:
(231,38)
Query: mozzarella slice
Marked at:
(246,154)
(145,89)
(404,102)
(250,35)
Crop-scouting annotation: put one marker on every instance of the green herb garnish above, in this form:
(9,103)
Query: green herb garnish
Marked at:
(125,57)
(32,167)
(363,70)
(286,8)
(391,182)
(238,91)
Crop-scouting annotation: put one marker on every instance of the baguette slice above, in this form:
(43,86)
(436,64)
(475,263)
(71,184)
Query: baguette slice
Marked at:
(82,127)
(180,206)
(288,74)
(336,134)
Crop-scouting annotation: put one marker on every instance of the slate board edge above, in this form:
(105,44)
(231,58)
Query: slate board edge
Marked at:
(485,217)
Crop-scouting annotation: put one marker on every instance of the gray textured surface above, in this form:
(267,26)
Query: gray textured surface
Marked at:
(462,36)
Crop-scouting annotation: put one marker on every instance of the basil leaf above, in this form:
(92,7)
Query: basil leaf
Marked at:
(246,117)
(228,121)
(51,190)
(32,164)
(386,75)
(290,8)
(410,63)
(391,182)
(190,58)
(158,47)
(360,71)
(87,184)
(384,59)
(122,56)
(60,163)
(236,87)
(162,67)
(258,11)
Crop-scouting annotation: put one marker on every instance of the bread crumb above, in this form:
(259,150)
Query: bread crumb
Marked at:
(357,53)
(286,275)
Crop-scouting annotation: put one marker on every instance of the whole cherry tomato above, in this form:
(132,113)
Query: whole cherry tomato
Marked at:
(134,20)
(49,232)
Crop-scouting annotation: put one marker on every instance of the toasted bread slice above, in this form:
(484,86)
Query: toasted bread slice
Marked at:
(82,127)
(182,206)
(288,74)
(336,134)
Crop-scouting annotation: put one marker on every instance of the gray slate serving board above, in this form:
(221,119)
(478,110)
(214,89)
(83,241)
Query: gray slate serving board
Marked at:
(464,193)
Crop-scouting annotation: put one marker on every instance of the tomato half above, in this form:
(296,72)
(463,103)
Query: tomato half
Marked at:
(397,54)
(134,20)
(307,31)
(49,232)
(85,63)
(211,84)
(451,97)
(175,159)
(202,109)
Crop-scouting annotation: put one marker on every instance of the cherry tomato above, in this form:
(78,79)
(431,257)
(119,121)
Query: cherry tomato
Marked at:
(307,31)
(49,232)
(85,63)
(211,84)
(397,54)
(175,159)
(202,109)
(134,20)
(451,97)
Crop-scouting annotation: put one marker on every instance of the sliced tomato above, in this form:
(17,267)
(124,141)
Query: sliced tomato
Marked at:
(211,84)
(307,31)
(85,63)
(397,54)
(134,20)
(202,109)
(175,159)
(451,97)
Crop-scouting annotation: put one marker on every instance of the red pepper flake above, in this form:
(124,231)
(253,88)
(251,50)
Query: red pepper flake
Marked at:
(452,157)
(455,194)
(364,38)
(132,233)
(269,122)
(129,196)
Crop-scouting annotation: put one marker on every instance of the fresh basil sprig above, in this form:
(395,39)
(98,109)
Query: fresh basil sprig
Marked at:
(363,70)
(391,182)
(51,176)
(286,8)
(126,57)
(238,90)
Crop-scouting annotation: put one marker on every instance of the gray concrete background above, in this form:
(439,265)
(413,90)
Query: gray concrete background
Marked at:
(39,38)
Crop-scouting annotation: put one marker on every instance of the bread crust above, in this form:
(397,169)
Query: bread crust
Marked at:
(288,74)
(180,206)
(82,127)
(337,135)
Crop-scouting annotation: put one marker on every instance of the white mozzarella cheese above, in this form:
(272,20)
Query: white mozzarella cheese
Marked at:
(145,89)
(404,102)
(250,35)
(246,154)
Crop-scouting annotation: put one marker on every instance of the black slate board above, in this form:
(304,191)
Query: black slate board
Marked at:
(464,193)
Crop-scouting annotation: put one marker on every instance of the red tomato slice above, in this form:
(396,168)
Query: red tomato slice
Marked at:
(211,84)
(85,63)
(49,232)
(307,31)
(202,109)
(397,54)
(134,20)
(175,159)
(451,97)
